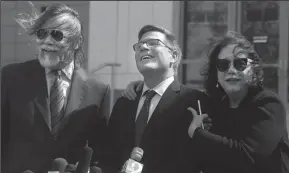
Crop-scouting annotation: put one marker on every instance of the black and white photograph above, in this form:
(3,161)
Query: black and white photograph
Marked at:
(144,86)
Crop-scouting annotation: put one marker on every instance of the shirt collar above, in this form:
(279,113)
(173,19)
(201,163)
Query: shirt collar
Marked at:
(68,70)
(161,87)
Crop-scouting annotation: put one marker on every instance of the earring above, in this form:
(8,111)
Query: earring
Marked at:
(217,85)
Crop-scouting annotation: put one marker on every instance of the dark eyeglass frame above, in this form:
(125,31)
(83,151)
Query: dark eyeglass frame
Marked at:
(156,42)
(57,35)
(240,64)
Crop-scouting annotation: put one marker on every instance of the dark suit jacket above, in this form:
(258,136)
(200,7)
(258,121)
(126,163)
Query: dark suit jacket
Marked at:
(27,142)
(165,140)
(249,139)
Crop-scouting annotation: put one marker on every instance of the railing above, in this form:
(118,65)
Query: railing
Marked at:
(112,66)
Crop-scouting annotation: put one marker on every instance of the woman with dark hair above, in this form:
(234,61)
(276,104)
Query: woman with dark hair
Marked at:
(248,131)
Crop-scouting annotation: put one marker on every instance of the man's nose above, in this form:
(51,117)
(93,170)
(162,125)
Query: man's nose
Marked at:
(48,39)
(144,46)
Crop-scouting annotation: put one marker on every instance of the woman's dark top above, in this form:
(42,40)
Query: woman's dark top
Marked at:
(252,138)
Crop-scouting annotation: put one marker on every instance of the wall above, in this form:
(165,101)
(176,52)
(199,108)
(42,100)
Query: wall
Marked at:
(113,29)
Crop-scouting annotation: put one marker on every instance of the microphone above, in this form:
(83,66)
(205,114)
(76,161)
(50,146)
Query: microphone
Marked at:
(84,162)
(58,165)
(95,169)
(27,171)
(70,168)
(132,165)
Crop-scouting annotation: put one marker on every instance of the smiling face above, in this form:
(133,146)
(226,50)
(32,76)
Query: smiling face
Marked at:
(233,80)
(157,58)
(53,53)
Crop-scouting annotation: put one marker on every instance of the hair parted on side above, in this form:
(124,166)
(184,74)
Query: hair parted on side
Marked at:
(170,38)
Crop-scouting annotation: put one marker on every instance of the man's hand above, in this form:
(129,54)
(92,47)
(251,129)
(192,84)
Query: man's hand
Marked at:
(130,92)
(197,121)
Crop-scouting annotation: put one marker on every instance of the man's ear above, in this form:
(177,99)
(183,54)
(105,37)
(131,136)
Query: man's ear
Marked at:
(174,56)
(78,43)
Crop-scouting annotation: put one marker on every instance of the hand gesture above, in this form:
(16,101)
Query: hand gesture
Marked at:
(198,121)
(129,91)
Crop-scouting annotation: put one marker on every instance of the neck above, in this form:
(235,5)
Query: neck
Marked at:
(153,79)
(236,97)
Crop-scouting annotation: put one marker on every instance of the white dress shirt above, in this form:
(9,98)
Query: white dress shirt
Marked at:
(66,75)
(160,90)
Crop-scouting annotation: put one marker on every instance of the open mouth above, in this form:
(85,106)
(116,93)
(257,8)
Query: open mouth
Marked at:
(146,57)
(232,80)
(48,50)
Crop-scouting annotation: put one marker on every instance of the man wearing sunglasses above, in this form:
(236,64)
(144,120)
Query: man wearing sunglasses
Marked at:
(50,106)
(157,119)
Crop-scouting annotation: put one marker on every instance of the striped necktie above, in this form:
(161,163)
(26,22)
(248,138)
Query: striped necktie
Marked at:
(56,103)
(143,115)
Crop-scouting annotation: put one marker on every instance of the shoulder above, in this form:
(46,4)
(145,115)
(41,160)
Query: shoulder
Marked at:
(268,103)
(191,93)
(92,80)
(15,70)
(18,66)
(264,96)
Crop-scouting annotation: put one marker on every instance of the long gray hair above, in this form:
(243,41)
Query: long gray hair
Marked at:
(32,23)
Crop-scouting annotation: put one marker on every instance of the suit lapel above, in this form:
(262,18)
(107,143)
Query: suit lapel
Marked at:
(165,102)
(39,88)
(133,104)
(77,93)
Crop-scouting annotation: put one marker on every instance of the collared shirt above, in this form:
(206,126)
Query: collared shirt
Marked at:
(66,76)
(160,90)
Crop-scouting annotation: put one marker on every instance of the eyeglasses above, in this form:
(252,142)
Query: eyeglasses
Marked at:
(150,43)
(240,64)
(55,34)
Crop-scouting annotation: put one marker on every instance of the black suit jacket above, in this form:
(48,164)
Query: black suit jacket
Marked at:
(252,138)
(165,140)
(26,138)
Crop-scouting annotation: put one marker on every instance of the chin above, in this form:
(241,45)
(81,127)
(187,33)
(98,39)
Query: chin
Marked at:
(147,67)
(48,63)
(232,89)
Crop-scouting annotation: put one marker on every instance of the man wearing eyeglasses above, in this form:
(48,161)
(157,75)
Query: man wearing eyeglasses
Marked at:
(50,106)
(157,120)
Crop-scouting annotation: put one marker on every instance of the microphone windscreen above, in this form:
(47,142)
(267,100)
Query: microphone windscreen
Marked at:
(70,168)
(84,162)
(59,164)
(137,154)
(27,171)
(95,169)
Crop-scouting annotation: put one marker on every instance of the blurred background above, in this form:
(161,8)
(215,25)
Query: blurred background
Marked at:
(111,28)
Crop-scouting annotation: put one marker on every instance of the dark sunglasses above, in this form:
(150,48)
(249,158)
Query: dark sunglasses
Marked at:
(55,34)
(149,43)
(240,64)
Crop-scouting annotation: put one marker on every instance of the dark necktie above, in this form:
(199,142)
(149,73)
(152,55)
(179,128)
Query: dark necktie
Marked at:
(143,115)
(56,103)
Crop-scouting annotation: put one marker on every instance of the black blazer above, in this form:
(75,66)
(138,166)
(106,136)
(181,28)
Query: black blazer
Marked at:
(26,140)
(165,141)
(252,138)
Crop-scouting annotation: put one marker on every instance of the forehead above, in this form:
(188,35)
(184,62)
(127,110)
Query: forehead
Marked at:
(61,22)
(230,51)
(153,35)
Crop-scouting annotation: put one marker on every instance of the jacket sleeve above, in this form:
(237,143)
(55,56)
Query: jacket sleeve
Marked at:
(105,104)
(5,116)
(110,160)
(257,142)
(97,126)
